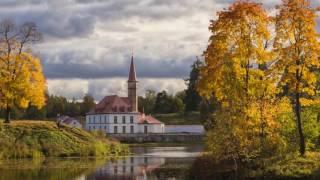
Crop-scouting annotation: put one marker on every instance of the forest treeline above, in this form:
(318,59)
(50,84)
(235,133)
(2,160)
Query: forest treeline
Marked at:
(151,103)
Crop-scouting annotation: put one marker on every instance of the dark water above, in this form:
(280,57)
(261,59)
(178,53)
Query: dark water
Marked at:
(147,163)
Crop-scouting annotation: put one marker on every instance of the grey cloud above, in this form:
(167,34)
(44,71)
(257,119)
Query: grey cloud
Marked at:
(145,68)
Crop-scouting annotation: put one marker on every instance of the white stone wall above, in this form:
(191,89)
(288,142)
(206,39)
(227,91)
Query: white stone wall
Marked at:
(107,122)
(152,128)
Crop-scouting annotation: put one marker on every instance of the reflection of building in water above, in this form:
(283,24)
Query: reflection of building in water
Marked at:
(136,167)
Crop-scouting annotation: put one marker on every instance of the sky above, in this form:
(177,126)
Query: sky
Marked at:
(87,44)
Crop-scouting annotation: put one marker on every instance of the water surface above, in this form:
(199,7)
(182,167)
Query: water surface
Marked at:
(152,163)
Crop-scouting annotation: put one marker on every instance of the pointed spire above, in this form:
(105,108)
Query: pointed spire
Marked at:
(132,73)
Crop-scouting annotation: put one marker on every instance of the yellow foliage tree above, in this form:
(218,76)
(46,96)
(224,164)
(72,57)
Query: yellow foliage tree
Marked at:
(22,82)
(236,72)
(298,53)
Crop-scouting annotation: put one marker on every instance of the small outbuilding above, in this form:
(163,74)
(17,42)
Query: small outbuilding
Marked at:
(69,121)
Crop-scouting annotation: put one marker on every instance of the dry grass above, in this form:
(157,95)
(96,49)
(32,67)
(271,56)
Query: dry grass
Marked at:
(43,138)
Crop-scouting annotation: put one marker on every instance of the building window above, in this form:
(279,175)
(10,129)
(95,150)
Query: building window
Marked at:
(123,129)
(105,119)
(94,119)
(100,119)
(123,169)
(115,118)
(145,129)
(131,119)
(131,129)
(131,169)
(115,129)
(131,160)
(123,119)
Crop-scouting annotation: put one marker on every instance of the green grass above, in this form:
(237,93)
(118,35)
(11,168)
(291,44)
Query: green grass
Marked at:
(190,118)
(32,139)
(296,166)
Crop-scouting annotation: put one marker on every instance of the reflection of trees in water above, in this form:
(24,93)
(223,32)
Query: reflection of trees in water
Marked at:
(39,169)
(204,168)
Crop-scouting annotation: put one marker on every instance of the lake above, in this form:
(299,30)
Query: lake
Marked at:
(172,162)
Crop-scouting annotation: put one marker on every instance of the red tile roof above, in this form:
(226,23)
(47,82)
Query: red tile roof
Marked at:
(112,104)
(143,119)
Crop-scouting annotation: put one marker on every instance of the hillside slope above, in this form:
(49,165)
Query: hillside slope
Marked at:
(21,139)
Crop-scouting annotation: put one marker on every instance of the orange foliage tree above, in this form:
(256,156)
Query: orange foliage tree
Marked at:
(298,52)
(21,79)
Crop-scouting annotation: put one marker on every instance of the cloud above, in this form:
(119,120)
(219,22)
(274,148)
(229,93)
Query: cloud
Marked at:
(87,42)
(77,88)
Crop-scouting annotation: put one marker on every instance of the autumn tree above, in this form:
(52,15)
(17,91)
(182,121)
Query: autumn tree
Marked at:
(236,74)
(298,49)
(21,79)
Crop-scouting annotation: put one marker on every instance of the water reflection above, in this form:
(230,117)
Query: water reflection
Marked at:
(150,163)
(147,163)
(129,168)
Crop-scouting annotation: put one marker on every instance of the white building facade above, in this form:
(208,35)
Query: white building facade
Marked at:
(114,114)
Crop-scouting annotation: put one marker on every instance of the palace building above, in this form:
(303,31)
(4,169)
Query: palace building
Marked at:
(115,114)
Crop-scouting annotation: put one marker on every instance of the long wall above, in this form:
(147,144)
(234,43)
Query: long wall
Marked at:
(158,137)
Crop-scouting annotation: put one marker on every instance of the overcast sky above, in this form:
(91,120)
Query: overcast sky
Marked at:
(87,43)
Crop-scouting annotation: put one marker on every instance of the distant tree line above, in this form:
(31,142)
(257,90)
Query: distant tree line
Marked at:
(55,105)
(152,102)
(184,101)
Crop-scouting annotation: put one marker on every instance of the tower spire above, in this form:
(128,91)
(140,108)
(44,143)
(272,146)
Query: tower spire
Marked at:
(132,72)
(132,87)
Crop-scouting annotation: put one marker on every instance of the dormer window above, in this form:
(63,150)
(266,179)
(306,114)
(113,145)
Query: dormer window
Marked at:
(121,109)
(114,109)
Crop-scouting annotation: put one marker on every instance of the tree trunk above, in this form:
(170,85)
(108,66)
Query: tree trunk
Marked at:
(299,124)
(8,112)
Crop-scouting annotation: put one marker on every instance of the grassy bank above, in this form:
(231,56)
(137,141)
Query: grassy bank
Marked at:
(189,118)
(32,139)
(292,166)
(296,166)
